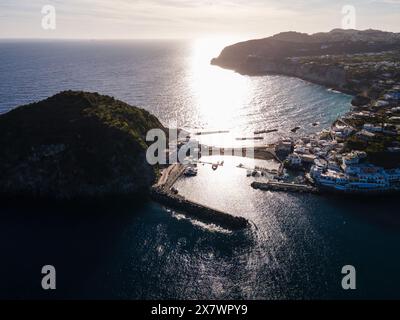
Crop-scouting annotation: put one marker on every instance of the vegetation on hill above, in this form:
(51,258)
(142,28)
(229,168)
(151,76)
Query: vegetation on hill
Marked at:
(75,144)
(294,44)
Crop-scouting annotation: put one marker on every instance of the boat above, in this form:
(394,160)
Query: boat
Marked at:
(255,173)
(190,172)
(174,191)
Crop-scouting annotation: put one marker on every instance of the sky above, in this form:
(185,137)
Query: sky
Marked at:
(175,19)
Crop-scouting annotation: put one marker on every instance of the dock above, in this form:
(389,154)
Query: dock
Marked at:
(257,152)
(249,138)
(203,133)
(282,186)
(266,131)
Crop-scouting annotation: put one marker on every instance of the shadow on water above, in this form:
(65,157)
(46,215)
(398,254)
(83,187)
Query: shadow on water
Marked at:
(377,210)
(135,249)
(73,236)
(108,249)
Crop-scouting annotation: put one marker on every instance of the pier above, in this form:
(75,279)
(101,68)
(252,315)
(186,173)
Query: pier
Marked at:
(203,133)
(198,211)
(266,152)
(265,131)
(282,186)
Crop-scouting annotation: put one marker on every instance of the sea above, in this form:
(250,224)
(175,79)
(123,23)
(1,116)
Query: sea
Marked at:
(297,245)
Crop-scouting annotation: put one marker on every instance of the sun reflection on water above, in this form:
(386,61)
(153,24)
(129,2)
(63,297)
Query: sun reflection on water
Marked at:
(220,99)
(218,94)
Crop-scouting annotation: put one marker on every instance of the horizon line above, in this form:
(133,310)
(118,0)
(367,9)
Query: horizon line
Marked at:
(205,36)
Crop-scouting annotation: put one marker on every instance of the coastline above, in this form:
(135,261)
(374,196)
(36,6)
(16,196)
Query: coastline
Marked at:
(343,171)
(252,72)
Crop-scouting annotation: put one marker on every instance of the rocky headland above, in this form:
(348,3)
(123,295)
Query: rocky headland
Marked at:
(75,145)
(328,59)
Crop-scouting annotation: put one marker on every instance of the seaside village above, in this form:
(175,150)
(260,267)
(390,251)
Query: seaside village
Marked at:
(360,152)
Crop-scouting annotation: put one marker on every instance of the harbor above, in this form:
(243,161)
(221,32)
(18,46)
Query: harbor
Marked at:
(258,168)
(165,193)
(313,163)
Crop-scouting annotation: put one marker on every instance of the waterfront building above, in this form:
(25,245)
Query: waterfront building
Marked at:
(308,158)
(393,175)
(284,148)
(365,135)
(353,158)
(372,128)
(381,103)
(341,131)
(392,95)
(294,160)
(355,178)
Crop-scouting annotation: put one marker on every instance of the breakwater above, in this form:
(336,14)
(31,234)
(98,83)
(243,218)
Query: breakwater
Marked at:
(199,211)
(281,186)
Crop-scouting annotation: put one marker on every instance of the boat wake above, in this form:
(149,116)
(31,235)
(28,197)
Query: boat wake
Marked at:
(205,226)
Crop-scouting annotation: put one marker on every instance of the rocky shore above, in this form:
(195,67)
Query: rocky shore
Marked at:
(329,59)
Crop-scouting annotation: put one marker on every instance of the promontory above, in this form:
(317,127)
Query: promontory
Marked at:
(73,145)
(346,60)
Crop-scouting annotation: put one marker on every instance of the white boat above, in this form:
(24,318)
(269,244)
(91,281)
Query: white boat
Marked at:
(190,172)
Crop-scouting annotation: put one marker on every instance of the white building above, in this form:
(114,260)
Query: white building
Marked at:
(294,160)
(353,158)
(393,175)
(365,135)
(381,103)
(372,128)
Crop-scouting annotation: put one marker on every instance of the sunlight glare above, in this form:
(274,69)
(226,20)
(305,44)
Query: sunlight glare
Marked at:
(218,94)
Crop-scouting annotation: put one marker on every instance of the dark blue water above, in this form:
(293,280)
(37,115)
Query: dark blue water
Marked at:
(298,243)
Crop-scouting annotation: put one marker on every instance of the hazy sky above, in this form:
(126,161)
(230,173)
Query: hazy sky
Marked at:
(189,18)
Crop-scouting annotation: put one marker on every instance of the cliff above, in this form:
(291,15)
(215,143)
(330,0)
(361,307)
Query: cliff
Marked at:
(74,145)
(285,53)
(328,75)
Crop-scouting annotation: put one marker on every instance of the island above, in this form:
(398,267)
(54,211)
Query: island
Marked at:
(360,152)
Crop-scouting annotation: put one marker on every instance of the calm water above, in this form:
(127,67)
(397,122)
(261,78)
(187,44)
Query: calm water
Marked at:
(298,243)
